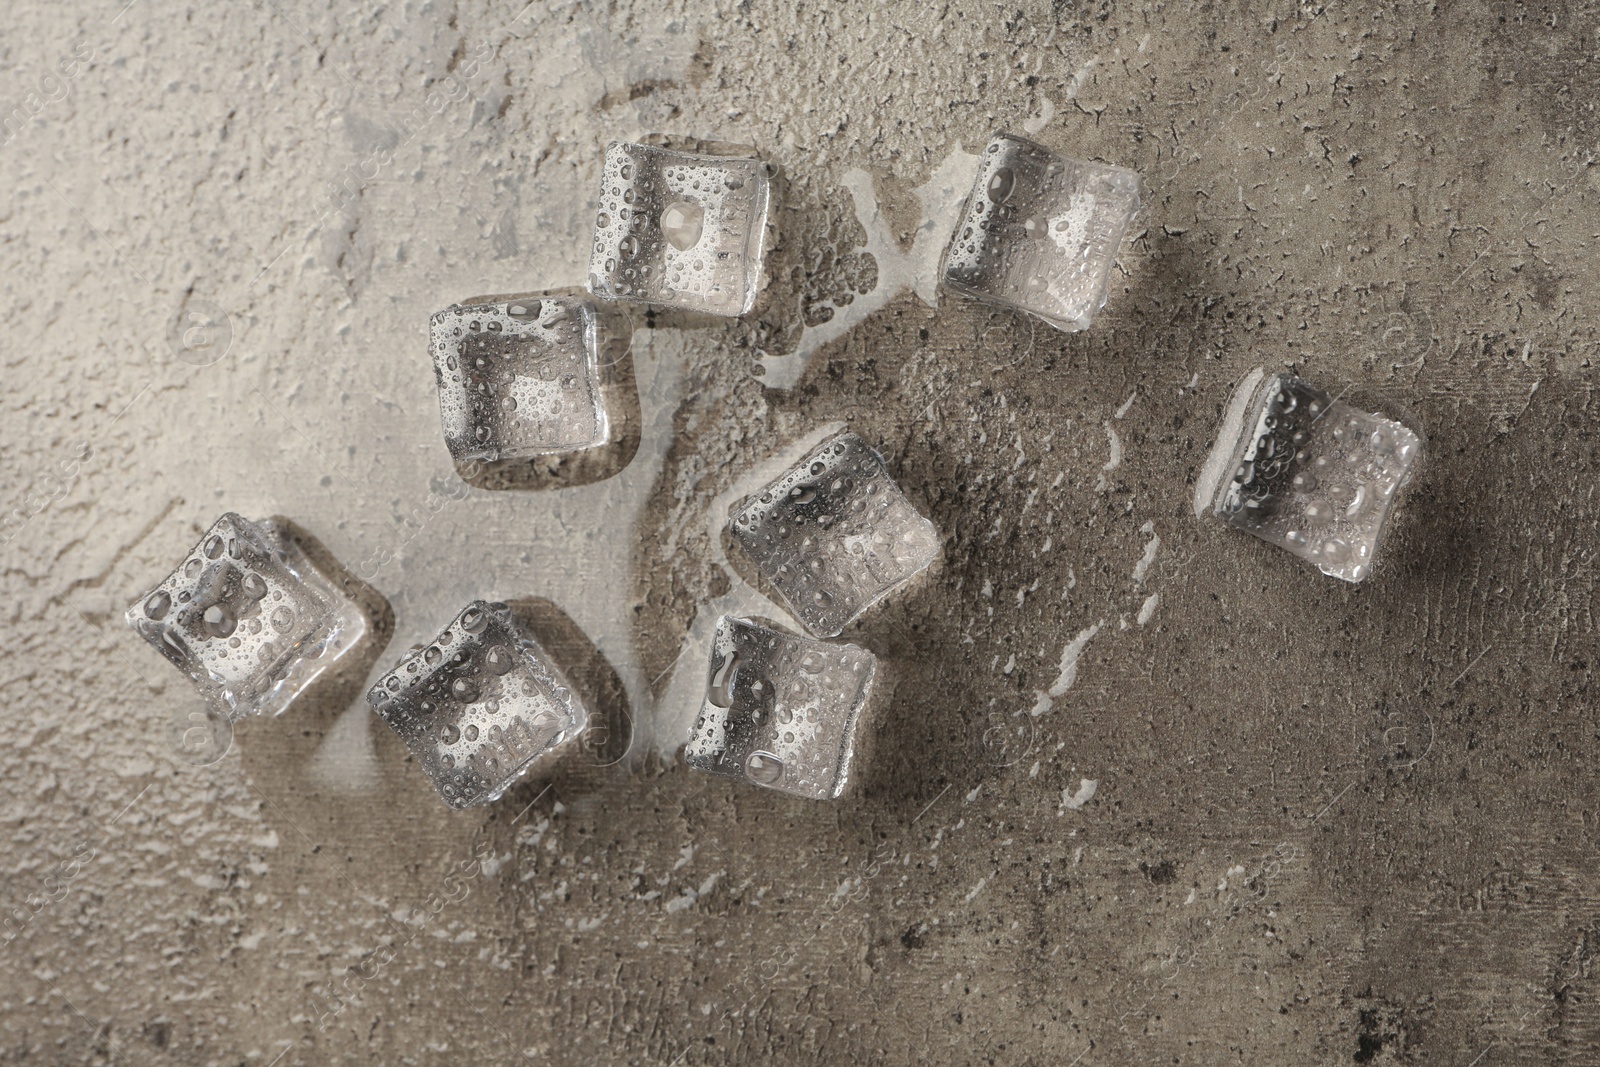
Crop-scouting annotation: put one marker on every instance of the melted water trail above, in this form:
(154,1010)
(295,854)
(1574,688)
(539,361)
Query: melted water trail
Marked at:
(916,270)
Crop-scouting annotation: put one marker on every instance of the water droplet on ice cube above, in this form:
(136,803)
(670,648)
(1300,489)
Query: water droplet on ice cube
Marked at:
(681,224)
(764,767)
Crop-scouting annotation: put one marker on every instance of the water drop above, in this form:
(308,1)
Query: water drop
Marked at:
(682,223)
(473,621)
(763,767)
(157,605)
(1318,513)
(220,622)
(1001,185)
(721,688)
(628,247)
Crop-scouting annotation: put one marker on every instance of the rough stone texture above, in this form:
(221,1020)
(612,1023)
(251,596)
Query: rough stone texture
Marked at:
(1146,791)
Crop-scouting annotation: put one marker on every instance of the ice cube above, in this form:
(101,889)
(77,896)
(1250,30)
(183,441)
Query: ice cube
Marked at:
(1040,232)
(521,376)
(1310,473)
(680,230)
(248,618)
(479,704)
(781,711)
(834,534)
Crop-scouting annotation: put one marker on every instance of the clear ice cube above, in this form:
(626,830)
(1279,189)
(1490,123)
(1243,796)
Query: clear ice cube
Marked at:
(1040,232)
(1312,474)
(479,704)
(781,711)
(521,376)
(248,618)
(834,534)
(679,230)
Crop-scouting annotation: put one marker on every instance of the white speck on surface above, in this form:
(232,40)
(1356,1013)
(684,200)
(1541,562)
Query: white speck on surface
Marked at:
(1114,444)
(1153,546)
(1148,609)
(1068,671)
(1074,800)
(1113,460)
(1044,700)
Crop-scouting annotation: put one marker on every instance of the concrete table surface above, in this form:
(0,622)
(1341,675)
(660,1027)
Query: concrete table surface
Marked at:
(1144,790)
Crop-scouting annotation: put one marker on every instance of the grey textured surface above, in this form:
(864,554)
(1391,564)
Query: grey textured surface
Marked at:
(1146,791)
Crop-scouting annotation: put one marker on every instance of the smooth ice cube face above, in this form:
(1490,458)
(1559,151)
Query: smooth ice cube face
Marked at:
(835,534)
(780,710)
(478,705)
(1040,232)
(679,230)
(1316,476)
(520,378)
(247,618)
